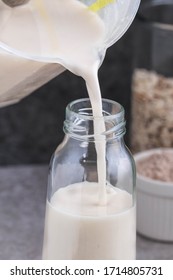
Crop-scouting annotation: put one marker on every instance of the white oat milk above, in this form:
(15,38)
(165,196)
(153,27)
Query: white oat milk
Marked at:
(79,228)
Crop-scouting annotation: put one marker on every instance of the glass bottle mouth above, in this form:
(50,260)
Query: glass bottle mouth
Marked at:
(79,121)
(157,12)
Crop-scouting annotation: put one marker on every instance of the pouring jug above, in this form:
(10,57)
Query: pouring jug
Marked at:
(29,37)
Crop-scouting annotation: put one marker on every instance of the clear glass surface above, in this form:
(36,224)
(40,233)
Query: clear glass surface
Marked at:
(74,195)
(36,35)
(36,22)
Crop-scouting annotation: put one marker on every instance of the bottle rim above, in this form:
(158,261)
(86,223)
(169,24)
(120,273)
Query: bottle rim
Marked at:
(78,120)
(70,106)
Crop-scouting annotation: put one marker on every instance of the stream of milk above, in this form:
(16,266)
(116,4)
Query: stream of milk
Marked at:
(80,33)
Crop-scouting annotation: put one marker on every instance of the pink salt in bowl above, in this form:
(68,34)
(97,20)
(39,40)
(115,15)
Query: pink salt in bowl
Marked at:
(154,195)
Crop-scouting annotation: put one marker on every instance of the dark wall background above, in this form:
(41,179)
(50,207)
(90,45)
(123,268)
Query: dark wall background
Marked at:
(31,129)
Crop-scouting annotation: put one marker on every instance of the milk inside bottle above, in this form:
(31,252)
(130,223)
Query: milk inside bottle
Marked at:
(79,228)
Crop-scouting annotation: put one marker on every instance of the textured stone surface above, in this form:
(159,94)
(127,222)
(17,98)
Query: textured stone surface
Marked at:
(148,249)
(22,208)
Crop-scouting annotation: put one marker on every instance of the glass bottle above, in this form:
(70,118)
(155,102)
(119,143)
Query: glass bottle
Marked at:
(85,219)
(152,85)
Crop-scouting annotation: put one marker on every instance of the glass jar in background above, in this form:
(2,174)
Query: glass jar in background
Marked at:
(152,83)
(79,223)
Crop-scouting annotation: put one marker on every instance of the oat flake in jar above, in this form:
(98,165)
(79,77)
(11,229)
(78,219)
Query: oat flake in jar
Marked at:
(152,83)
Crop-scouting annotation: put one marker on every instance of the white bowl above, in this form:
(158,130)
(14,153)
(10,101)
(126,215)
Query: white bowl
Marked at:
(154,203)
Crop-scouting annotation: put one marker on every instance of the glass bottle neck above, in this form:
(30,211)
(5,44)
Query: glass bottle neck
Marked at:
(82,125)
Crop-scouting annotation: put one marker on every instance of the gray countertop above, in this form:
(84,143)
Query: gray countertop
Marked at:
(22,208)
